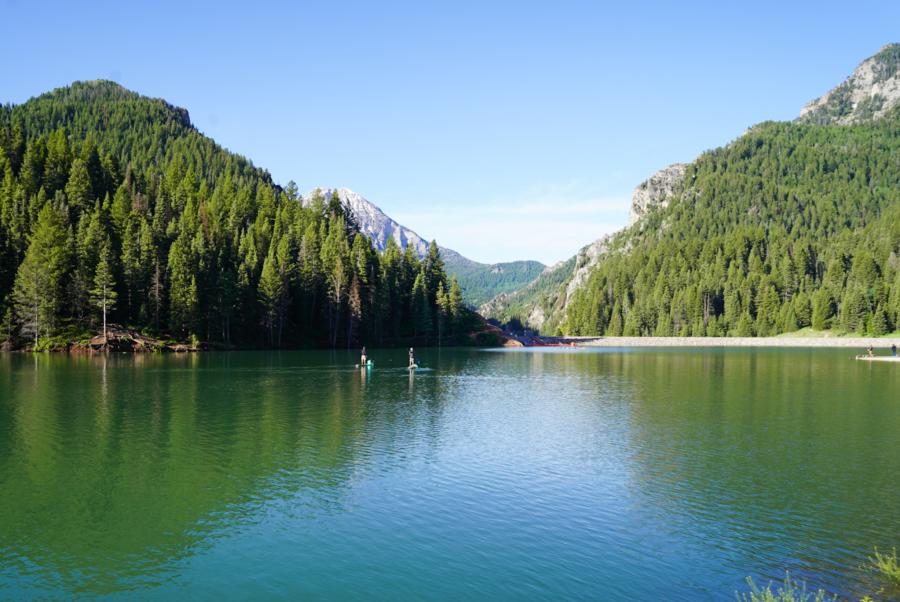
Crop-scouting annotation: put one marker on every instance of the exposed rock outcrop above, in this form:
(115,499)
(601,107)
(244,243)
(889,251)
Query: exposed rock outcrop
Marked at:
(655,191)
(870,92)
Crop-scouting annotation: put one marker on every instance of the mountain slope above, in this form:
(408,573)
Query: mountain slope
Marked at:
(791,225)
(542,304)
(479,281)
(112,205)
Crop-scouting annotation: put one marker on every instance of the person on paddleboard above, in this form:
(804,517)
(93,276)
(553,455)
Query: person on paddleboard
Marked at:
(412,358)
(362,358)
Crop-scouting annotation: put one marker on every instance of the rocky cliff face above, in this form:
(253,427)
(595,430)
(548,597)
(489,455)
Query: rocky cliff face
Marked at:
(870,92)
(544,303)
(655,191)
(541,306)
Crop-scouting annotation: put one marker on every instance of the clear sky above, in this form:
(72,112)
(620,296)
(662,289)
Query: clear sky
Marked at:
(505,130)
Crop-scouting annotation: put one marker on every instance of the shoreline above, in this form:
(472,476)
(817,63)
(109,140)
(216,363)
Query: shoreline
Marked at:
(798,342)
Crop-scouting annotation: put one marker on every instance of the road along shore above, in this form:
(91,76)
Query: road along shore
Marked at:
(879,345)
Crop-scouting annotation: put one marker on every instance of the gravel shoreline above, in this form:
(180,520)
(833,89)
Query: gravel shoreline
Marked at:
(860,343)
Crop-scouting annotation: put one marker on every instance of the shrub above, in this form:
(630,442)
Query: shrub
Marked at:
(886,565)
(789,591)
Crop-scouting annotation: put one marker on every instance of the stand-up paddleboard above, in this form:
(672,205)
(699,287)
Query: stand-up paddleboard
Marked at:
(413,366)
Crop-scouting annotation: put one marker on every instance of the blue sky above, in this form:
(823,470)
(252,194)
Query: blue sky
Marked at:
(505,130)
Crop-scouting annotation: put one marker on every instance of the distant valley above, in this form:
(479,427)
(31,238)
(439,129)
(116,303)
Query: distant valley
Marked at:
(480,282)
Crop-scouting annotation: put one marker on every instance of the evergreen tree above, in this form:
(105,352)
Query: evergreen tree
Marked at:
(39,291)
(822,310)
(421,306)
(271,291)
(455,304)
(878,325)
(442,300)
(183,293)
(78,186)
(103,295)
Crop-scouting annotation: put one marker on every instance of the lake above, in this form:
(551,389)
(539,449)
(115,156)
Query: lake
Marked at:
(643,474)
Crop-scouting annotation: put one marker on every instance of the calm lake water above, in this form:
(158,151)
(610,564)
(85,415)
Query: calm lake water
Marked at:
(558,474)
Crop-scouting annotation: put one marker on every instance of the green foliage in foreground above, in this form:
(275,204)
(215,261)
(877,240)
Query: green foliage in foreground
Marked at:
(112,205)
(886,565)
(789,591)
(790,226)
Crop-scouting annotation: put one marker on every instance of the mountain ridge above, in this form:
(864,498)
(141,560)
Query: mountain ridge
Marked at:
(547,306)
(479,281)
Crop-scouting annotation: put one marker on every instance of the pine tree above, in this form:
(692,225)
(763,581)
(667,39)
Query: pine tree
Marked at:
(822,310)
(183,293)
(878,325)
(78,187)
(38,291)
(455,305)
(335,259)
(616,324)
(421,307)
(271,288)
(744,326)
(103,295)
(442,300)
(767,311)
(433,267)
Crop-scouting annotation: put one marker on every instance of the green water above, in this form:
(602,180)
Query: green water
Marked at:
(561,474)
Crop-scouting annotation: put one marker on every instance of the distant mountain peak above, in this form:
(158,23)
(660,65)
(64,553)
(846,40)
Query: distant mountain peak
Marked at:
(373,222)
(871,91)
(479,281)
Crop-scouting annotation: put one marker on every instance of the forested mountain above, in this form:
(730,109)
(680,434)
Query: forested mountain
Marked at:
(791,225)
(114,203)
(531,304)
(479,281)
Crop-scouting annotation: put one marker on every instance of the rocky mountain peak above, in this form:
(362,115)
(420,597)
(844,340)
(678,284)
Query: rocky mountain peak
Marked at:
(373,222)
(655,191)
(870,92)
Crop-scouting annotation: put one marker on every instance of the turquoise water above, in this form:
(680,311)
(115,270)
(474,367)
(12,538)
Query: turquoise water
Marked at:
(549,474)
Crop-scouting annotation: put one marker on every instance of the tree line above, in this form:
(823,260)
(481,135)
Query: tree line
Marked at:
(114,208)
